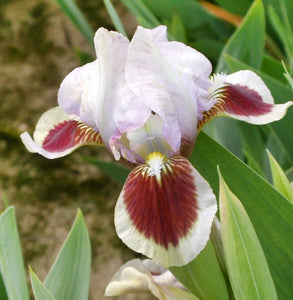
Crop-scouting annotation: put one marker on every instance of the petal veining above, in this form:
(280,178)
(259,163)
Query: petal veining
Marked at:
(169,77)
(165,210)
(118,109)
(58,134)
(77,92)
(243,96)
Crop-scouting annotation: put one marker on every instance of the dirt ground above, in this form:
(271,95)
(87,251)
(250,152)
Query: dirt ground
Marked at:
(36,52)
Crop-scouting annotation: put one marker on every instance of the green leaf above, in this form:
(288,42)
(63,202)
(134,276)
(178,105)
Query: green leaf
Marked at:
(139,9)
(115,17)
(192,13)
(246,263)
(273,68)
(254,147)
(39,290)
(270,213)
(69,276)
(247,42)
(3,293)
(76,16)
(112,169)
(281,182)
(283,29)
(11,262)
(237,7)
(203,276)
(177,29)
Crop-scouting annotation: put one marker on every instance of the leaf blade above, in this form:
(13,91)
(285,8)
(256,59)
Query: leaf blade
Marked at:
(69,276)
(11,261)
(246,263)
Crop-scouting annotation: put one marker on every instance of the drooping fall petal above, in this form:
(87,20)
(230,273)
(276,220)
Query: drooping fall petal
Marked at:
(58,134)
(165,210)
(243,96)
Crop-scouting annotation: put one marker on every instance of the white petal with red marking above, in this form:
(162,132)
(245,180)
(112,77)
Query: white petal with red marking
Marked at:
(58,134)
(244,96)
(165,210)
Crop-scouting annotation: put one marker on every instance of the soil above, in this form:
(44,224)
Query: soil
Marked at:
(38,48)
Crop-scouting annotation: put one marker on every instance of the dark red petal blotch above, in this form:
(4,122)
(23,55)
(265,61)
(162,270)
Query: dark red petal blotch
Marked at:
(162,207)
(241,100)
(68,134)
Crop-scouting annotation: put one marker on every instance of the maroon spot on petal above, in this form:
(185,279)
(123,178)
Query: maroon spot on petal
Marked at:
(241,100)
(163,210)
(68,134)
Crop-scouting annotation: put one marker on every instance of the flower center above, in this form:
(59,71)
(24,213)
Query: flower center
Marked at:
(155,161)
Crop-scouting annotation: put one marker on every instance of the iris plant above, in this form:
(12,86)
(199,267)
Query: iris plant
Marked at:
(146,100)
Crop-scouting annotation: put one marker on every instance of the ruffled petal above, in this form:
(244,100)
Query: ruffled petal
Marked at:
(138,276)
(58,134)
(165,210)
(169,77)
(77,92)
(118,109)
(243,96)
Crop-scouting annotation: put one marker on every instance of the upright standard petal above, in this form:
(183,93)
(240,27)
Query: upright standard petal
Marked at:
(165,210)
(58,134)
(243,96)
(118,109)
(78,93)
(169,77)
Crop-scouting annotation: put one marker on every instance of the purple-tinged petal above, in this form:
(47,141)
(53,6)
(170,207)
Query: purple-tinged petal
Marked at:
(118,109)
(165,210)
(77,92)
(58,134)
(169,77)
(243,96)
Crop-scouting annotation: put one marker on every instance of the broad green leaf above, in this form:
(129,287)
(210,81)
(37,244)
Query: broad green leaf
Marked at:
(76,16)
(70,274)
(3,293)
(247,42)
(226,132)
(281,182)
(181,294)
(254,147)
(203,276)
(270,213)
(191,12)
(112,169)
(273,68)
(246,264)
(139,9)
(11,261)
(276,148)
(237,7)
(39,290)
(115,17)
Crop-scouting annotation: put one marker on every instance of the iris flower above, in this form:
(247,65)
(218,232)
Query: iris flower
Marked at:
(142,276)
(145,100)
